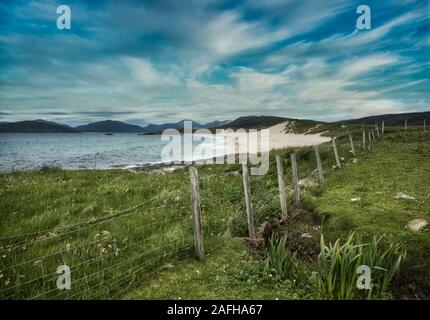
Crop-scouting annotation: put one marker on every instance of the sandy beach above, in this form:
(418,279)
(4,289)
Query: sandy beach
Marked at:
(242,142)
(280,139)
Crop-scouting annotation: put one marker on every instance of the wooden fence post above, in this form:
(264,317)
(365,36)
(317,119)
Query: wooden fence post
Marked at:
(383,128)
(195,206)
(364,140)
(282,197)
(406,124)
(424,125)
(369,146)
(248,200)
(336,155)
(295,179)
(319,166)
(377,131)
(373,136)
(351,143)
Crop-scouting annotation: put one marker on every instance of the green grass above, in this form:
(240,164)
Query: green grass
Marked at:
(149,253)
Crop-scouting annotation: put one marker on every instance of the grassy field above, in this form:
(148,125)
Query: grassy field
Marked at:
(148,252)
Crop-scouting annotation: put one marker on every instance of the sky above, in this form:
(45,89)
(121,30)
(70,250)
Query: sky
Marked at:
(164,61)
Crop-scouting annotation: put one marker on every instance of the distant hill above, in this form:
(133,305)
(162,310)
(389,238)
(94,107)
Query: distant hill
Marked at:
(215,124)
(397,119)
(253,122)
(35,126)
(111,126)
(159,128)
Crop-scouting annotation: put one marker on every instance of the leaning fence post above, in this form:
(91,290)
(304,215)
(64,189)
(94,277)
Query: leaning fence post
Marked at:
(351,143)
(373,136)
(406,124)
(364,140)
(195,206)
(248,201)
(319,166)
(282,197)
(336,155)
(295,179)
(383,127)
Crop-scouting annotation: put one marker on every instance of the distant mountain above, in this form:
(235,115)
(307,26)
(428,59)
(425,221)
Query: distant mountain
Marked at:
(35,126)
(397,119)
(111,126)
(215,123)
(53,123)
(158,128)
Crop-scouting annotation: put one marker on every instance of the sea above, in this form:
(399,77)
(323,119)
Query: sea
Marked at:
(31,151)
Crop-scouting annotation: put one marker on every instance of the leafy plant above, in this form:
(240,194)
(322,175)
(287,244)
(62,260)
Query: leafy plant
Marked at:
(337,267)
(282,265)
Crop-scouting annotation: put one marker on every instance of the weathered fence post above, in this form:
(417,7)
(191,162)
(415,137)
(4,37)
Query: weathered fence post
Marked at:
(377,131)
(319,166)
(383,128)
(369,146)
(195,206)
(295,179)
(351,143)
(282,197)
(406,124)
(424,125)
(248,200)
(336,155)
(373,136)
(364,140)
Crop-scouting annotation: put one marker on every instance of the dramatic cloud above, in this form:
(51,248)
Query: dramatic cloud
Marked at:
(166,60)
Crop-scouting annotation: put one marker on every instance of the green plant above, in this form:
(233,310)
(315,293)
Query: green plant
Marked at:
(282,265)
(337,267)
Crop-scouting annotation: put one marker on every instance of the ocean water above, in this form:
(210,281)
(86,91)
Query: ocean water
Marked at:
(27,151)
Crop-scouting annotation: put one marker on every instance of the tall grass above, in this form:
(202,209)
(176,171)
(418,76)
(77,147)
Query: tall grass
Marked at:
(282,265)
(337,267)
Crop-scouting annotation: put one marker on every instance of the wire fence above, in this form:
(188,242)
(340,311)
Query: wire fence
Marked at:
(109,254)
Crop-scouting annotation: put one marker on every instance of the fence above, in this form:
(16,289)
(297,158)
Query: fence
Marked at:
(139,243)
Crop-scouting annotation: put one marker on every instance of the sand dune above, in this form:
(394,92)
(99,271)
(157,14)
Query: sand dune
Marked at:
(280,139)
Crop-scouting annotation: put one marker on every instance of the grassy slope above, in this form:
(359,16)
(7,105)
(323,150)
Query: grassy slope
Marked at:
(51,198)
(400,162)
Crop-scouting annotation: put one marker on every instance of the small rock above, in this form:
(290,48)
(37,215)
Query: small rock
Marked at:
(306,235)
(354,160)
(401,195)
(342,159)
(417,224)
(355,199)
(307,183)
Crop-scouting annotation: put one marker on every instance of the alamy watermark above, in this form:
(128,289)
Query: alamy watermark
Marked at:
(64,20)
(64,280)
(364,280)
(223,147)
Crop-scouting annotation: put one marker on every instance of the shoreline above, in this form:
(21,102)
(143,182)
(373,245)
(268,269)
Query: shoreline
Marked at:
(279,138)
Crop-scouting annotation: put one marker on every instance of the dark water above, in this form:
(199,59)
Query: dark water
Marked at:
(23,151)
(27,151)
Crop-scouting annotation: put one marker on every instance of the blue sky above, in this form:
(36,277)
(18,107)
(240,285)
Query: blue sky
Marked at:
(162,61)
